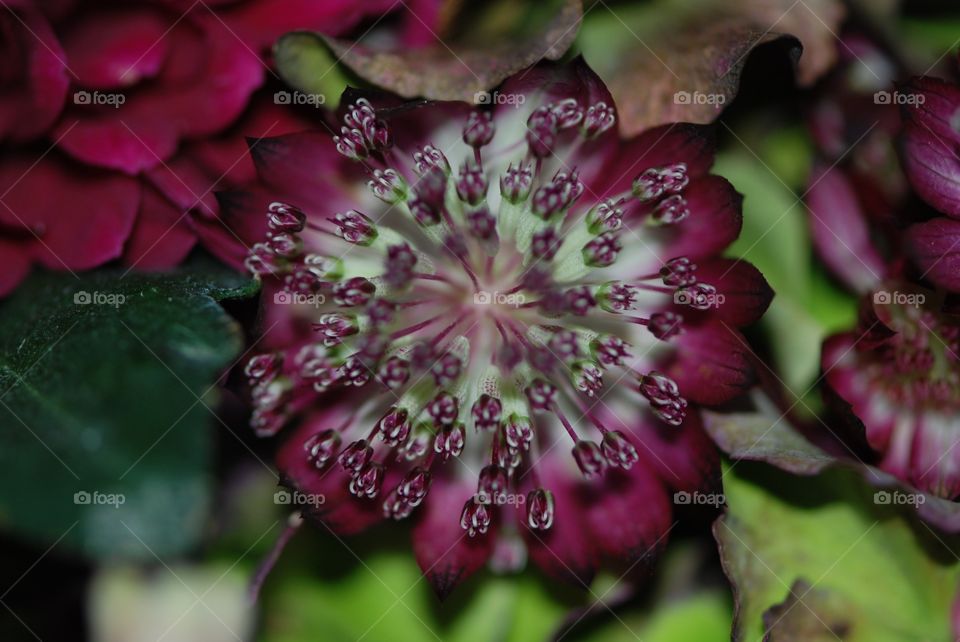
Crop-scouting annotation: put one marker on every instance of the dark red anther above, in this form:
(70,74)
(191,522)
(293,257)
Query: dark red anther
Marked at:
(479,129)
(398,265)
(541,394)
(446,370)
(545,243)
(491,485)
(664,325)
(487,412)
(589,458)
(368,481)
(443,409)
(653,183)
(609,350)
(481,223)
(354,227)
(678,272)
(542,128)
(263,367)
(579,300)
(471,183)
(603,250)
(394,427)
(355,456)
(282,217)
(516,183)
(414,486)
(353,292)
(475,518)
(618,450)
(394,372)
(354,372)
(449,441)
(540,509)
(321,447)
(564,344)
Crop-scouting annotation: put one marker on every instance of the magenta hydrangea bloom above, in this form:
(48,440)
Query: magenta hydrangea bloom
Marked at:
(126,119)
(500,322)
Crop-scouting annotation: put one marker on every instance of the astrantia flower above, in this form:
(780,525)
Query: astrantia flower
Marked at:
(499,322)
(900,374)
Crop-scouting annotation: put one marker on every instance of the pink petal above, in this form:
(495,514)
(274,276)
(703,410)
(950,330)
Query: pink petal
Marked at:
(629,516)
(840,232)
(30,105)
(161,238)
(83,216)
(116,48)
(444,551)
(935,247)
(712,364)
(716,216)
(746,294)
(184,101)
(16,263)
(565,552)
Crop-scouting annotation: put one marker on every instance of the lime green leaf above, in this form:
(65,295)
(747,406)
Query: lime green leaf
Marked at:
(103,382)
(817,558)
(386,599)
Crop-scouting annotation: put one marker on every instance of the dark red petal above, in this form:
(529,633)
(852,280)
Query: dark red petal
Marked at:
(932,164)
(935,247)
(116,48)
(161,237)
(183,102)
(716,216)
(565,551)
(684,456)
(16,263)
(240,223)
(839,230)
(306,170)
(660,146)
(712,364)
(444,551)
(260,23)
(628,516)
(29,107)
(83,216)
(937,110)
(340,511)
(746,294)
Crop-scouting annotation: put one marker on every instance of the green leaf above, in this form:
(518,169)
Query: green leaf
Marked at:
(386,599)
(105,384)
(776,239)
(305,63)
(820,560)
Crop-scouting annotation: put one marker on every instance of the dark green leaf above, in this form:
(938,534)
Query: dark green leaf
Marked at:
(104,388)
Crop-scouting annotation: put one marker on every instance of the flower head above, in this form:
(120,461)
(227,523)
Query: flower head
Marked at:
(900,374)
(536,309)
